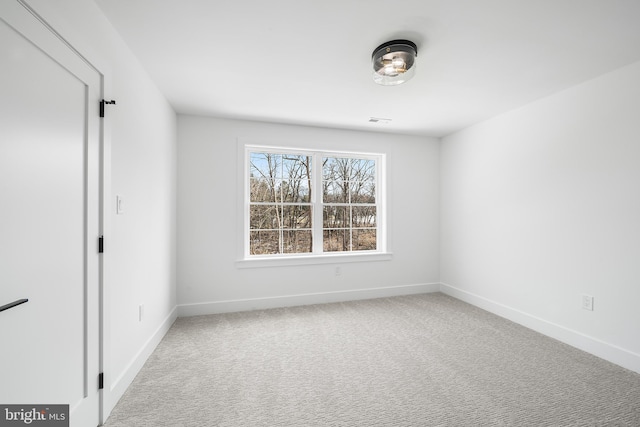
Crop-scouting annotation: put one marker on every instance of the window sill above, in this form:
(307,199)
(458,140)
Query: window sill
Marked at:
(262,262)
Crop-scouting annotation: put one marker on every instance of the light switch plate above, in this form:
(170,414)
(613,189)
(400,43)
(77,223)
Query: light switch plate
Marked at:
(119,205)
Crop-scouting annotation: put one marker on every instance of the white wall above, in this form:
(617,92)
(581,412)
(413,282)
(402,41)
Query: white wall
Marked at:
(209,280)
(140,245)
(541,205)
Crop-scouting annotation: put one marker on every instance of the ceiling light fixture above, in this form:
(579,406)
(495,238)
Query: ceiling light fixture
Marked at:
(394,62)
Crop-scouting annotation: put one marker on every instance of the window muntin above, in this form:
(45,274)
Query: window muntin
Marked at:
(287,216)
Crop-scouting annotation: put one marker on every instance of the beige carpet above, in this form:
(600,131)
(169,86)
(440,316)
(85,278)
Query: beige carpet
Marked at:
(421,360)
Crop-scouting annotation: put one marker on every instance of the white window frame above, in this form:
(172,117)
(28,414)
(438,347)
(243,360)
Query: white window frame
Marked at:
(246,260)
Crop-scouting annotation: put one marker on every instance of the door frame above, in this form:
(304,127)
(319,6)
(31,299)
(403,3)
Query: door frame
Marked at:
(55,22)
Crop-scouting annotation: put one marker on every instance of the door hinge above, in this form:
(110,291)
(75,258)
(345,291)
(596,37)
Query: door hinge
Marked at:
(102,102)
(101,381)
(101,244)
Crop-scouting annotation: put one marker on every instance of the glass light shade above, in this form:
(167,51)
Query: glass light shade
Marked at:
(394,62)
(389,71)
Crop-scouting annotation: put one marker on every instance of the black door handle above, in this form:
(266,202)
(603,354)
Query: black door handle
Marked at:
(13,304)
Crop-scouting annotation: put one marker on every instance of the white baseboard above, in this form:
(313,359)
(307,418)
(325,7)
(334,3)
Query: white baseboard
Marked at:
(119,385)
(604,350)
(215,307)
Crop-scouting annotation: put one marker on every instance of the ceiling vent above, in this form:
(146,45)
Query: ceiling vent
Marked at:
(379,120)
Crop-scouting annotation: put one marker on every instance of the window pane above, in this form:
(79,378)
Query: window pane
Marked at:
(265,217)
(297,241)
(296,191)
(363,216)
(362,170)
(335,192)
(265,165)
(296,216)
(264,242)
(328,168)
(362,179)
(364,240)
(296,167)
(335,217)
(262,190)
(336,240)
(363,192)
(335,169)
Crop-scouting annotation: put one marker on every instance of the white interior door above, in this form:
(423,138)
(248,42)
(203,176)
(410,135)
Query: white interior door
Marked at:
(49,219)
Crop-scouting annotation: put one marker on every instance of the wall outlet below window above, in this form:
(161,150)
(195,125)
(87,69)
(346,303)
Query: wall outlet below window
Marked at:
(140,312)
(587,302)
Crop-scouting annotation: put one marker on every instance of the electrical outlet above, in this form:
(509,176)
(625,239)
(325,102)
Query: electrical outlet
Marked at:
(587,302)
(141,312)
(338,271)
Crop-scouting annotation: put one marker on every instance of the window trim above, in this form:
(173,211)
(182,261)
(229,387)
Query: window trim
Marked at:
(246,260)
